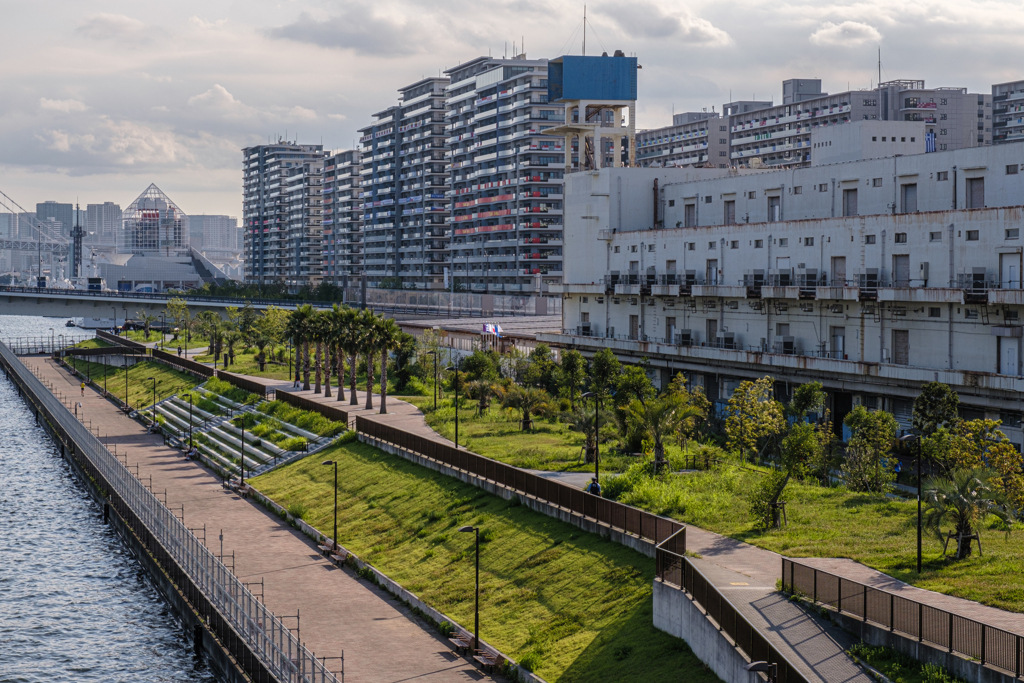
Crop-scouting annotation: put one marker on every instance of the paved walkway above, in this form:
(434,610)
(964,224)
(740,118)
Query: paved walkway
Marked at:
(382,641)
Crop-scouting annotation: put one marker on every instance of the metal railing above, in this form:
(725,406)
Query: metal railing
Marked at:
(675,569)
(264,635)
(952,632)
(615,515)
(43,344)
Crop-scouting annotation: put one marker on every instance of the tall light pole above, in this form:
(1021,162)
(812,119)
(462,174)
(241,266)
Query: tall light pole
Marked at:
(190,421)
(51,340)
(333,462)
(476,609)
(908,439)
(125,309)
(154,400)
(115,319)
(455,369)
(127,406)
(434,354)
(597,432)
(243,449)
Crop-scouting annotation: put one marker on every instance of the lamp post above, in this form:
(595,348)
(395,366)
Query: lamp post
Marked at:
(163,329)
(190,421)
(434,354)
(476,609)
(597,432)
(115,319)
(455,369)
(243,449)
(908,439)
(125,309)
(154,400)
(127,406)
(51,340)
(770,670)
(333,462)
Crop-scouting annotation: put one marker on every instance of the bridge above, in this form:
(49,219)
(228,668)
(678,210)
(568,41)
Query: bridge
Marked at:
(47,247)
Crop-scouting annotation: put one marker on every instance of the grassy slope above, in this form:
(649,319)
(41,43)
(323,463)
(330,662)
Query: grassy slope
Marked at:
(140,389)
(246,365)
(94,343)
(577,606)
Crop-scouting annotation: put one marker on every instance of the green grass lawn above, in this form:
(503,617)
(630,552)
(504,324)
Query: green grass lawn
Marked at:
(94,343)
(550,445)
(140,389)
(571,605)
(245,364)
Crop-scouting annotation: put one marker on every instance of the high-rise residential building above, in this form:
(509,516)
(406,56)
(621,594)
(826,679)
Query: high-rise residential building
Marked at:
(694,138)
(505,175)
(1007,112)
(213,232)
(63,216)
(281,212)
(102,223)
(342,218)
(403,184)
(780,135)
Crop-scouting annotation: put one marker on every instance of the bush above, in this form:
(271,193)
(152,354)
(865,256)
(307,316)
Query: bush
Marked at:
(231,392)
(348,437)
(297,510)
(304,419)
(247,419)
(414,387)
(297,443)
(767,491)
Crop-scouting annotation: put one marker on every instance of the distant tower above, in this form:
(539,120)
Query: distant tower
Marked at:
(77,233)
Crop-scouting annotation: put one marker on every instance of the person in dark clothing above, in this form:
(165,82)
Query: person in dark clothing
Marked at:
(593,488)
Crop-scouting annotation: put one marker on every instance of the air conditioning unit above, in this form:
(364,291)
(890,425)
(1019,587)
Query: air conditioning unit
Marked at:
(691,277)
(726,340)
(684,337)
(781,277)
(868,279)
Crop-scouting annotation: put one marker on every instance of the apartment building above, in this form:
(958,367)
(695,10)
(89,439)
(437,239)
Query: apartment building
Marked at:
(694,138)
(213,232)
(781,135)
(342,218)
(102,223)
(505,176)
(281,213)
(871,277)
(1008,112)
(403,183)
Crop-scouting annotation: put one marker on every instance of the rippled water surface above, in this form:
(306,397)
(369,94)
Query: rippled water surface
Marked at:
(74,603)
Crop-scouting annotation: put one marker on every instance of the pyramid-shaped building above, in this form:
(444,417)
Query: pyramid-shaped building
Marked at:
(153,225)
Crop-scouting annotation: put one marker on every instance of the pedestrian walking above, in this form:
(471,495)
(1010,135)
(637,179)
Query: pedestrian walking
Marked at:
(179,351)
(83,388)
(594,488)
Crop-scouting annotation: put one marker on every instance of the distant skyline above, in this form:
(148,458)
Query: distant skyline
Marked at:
(103,98)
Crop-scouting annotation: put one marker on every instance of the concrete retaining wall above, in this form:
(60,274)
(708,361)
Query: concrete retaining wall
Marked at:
(621,537)
(676,614)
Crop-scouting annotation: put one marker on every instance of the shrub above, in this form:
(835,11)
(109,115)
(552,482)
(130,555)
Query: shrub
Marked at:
(304,419)
(297,443)
(348,437)
(297,510)
(230,391)
(262,429)
(248,419)
(768,490)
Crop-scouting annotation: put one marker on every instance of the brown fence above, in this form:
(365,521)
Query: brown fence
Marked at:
(120,341)
(327,410)
(949,631)
(676,569)
(629,519)
(185,364)
(243,383)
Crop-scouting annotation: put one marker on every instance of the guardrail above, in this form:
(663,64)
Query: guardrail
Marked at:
(616,515)
(956,634)
(674,568)
(43,344)
(120,341)
(232,612)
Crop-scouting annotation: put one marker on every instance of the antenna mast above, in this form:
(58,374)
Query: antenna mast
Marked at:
(584,30)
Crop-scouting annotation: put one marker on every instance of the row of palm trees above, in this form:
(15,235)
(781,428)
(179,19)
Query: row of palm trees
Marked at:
(332,337)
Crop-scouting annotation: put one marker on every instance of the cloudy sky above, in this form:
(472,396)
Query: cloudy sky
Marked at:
(100,98)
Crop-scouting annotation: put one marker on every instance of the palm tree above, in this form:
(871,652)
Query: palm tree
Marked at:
(482,391)
(262,342)
(299,328)
(147,320)
(215,333)
(582,420)
(353,344)
(966,499)
(389,338)
(318,325)
(660,418)
(526,400)
(231,339)
(339,317)
(368,339)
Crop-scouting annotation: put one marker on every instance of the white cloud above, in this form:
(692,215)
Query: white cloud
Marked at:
(360,29)
(298,112)
(65,106)
(847,33)
(115,27)
(337,117)
(218,99)
(206,25)
(649,20)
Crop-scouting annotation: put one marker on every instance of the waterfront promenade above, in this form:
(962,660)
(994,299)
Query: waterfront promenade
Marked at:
(382,640)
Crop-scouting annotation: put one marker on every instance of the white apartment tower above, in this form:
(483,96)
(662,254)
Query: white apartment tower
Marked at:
(342,218)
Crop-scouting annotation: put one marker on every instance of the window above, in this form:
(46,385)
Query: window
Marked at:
(808,241)
(774,209)
(1012,233)
(901,238)
(690,246)
(617,249)
(711,245)
(935,237)
(942,175)
(876,182)
(584,317)
(823,187)
(870,103)
(722,141)
(975,193)
(874,138)
(650,247)
(782,329)
(690,215)
(752,195)
(972,235)
(707,200)
(758,244)
(798,190)
(671,202)
(1012,169)
(913,139)
(632,248)
(722,153)
(903,139)
(908,195)
(942,131)
(942,101)
(971,313)
(735,244)
(783,241)
(869,239)
(943,117)
(934,312)
(883,138)
(850,202)
(942,147)
(730,212)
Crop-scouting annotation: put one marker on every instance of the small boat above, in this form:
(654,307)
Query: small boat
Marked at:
(70,323)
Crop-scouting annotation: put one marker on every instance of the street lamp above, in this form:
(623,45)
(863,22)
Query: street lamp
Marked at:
(455,369)
(333,462)
(476,610)
(597,433)
(771,670)
(127,406)
(907,439)
(125,309)
(243,448)
(434,354)
(51,340)
(163,330)
(190,421)
(154,400)
(115,319)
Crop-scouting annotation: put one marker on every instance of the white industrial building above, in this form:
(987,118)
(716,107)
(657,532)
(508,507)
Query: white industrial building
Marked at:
(871,277)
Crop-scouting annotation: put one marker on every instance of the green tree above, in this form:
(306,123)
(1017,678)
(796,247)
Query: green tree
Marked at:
(753,415)
(481,391)
(231,339)
(574,373)
(389,338)
(542,371)
(481,365)
(367,323)
(660,418)
(690,427)
(527,400)
(147,321)
(273,323)
(936,406)
(584,421)
(873,433)
(604,371)
(177,312)
(808,398)
(299,330)
(633,384)
(765,498)
(964,500)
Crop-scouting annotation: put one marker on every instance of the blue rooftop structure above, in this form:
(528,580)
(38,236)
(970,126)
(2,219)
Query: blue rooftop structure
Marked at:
(573,77)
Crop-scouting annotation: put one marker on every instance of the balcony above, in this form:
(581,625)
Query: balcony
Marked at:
(728,291)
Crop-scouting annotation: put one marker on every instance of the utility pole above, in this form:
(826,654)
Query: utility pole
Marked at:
(77,233)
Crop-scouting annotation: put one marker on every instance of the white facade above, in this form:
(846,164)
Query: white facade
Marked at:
(102,223)
(871,304)
(866,140)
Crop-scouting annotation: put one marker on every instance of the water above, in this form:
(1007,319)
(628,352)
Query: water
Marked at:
(74,602)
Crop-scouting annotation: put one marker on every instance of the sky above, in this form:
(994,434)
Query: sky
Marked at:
(101,98)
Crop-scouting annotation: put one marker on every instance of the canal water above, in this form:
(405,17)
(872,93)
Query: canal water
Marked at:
(75,605)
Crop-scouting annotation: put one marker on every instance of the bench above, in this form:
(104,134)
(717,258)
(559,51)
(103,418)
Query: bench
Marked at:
(487,660)
(461,641)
